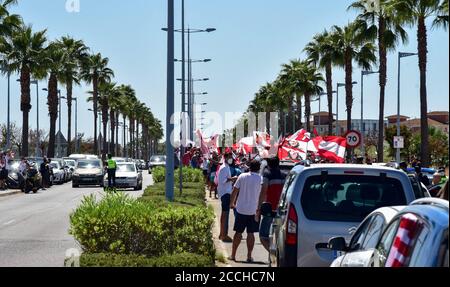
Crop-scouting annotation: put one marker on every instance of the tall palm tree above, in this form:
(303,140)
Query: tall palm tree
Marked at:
(416,12)
(75,52)
(105,92)
(54,57)
(114,103)
(94,70)
(385,26)
(352,46)
(23,53)
(8,21)
(310,83)
(140,111)
(322,52)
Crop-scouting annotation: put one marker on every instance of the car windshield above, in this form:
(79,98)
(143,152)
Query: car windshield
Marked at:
(349,198)
(158,158)
(88,164)
(126,168)
(54,164)
(70,163)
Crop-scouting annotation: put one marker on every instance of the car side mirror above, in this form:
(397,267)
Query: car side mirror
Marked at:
(337,244)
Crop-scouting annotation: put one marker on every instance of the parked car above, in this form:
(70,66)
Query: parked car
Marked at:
(428,172)
(66,169)
(119,159)
(58,171)
(127,176)
(324,201)
(156,161)
(416,237)
(364,241)
(88,172)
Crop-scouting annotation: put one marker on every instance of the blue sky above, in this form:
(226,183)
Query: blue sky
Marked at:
(253,38)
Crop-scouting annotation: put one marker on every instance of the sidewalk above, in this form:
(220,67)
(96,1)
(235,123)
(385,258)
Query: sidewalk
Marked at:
(9,192)
(259,253)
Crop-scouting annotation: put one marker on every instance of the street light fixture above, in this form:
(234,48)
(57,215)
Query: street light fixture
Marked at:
(400,56)
(339,85)
(364,73)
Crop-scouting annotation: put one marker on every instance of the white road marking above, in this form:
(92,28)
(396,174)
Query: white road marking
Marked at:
(9,222)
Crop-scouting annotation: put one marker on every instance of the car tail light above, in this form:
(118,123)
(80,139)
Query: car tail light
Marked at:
(292,226)
(408,230)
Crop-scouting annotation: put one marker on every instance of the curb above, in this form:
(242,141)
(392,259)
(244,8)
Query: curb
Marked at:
(9,193)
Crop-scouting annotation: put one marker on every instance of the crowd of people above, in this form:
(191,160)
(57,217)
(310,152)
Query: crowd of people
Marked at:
(6,159)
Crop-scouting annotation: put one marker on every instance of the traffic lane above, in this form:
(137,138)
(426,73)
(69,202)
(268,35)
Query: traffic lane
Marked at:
(34,228)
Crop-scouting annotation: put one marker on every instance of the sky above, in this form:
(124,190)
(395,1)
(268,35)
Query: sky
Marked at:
(253,39)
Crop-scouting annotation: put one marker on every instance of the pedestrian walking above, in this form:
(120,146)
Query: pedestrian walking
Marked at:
(111,170)
(224,189)
(272,186)
(245,199)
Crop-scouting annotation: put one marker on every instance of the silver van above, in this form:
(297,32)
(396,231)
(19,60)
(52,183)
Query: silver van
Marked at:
(330,200)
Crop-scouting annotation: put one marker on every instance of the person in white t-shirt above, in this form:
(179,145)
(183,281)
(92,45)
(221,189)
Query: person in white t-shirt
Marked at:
(224,189)
(244,200)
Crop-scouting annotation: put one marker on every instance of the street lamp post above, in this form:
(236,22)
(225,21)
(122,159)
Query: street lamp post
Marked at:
(339,85)
(364,73)
(170,101)
(8,128)
(400,56)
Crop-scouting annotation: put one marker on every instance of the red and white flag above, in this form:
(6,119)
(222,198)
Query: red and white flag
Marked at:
(331,148)
(407,232)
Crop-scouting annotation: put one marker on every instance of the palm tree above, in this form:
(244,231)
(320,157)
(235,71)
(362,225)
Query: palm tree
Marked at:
(383,25)
(416,12)
(94,70)
(23,53)
(8,21)
(323,54)
(352,46)
(114,103)
(105,92)
(74,53)
(310,87)
(54,57)
(139,111)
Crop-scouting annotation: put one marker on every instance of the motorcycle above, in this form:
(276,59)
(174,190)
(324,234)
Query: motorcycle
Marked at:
(33,180)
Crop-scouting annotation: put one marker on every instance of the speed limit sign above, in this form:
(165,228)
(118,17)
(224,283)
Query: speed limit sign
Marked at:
(353,139)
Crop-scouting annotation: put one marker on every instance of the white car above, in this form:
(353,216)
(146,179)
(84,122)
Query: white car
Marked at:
(59,176)
(364,241)
(127,176)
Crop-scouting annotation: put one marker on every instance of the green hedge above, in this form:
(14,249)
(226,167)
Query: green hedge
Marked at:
(189,174)
(115,260)
(121,225)
(193,195)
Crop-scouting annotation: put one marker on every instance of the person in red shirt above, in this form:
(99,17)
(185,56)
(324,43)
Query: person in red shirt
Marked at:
(272,186)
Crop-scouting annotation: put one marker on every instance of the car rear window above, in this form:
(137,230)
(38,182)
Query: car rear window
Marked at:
(349,198)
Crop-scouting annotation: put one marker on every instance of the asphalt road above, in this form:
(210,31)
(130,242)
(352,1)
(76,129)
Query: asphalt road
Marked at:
(34,228)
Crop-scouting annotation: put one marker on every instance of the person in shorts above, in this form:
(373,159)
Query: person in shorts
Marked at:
(224,188)
(272,186)
(244,200)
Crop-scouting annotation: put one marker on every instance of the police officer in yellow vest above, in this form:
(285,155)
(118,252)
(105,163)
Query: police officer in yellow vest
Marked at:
(111,169)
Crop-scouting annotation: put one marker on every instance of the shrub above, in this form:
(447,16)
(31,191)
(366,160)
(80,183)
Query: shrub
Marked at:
(159,174)
(189,175)
(121,225)
(116,260)
(193,195)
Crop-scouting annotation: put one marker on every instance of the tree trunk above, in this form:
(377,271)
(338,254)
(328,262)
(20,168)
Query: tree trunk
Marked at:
(113,131)
(105,130)
(95,107)
(117,134)
(348,87)
(268,120)
(422,49)
(291,114)
(125,146)
(69,117)
(308,111)
(383,79)
(25,107)
(137,140)
(298,100)
(52,102)
(329,79)
(131,154)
